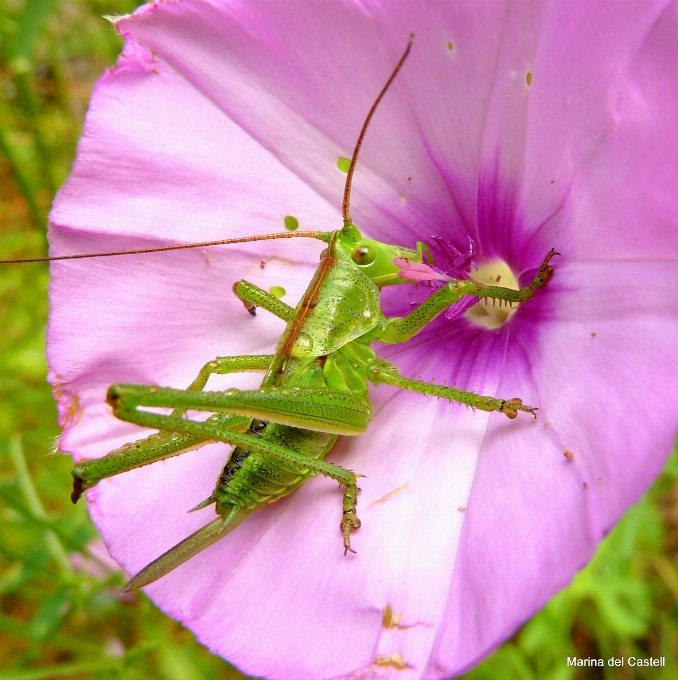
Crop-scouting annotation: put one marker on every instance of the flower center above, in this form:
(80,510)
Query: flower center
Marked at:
(490,312)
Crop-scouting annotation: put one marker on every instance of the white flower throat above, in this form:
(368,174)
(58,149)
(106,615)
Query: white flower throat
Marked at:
(491,313)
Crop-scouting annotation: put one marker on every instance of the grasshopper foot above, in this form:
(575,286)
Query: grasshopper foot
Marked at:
(80,485)
(350,521)
(78,489)
(80,482)
(545,271)
(249,306)
(541,279)
(511,407)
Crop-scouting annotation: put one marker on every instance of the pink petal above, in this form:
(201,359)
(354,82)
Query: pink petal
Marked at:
(309,109)
(158,318)
(534,517)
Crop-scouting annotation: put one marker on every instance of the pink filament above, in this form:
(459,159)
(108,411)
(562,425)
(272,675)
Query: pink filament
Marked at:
(418,271)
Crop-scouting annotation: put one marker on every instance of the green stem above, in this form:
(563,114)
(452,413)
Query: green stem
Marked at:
(33,503)
(23,85)
(23,182)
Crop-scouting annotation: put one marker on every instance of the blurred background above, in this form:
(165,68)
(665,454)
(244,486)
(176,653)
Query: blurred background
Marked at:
(61,612)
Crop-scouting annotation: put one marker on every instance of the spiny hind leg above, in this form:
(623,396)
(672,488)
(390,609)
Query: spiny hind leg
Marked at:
(166,444)
(383,372)
(321,410)
(252,297)
(125,408)
(159,446)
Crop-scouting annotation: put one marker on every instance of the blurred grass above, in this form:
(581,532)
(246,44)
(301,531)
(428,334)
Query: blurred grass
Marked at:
(61,614)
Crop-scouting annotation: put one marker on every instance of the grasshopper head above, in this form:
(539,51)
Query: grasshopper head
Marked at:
(374,258)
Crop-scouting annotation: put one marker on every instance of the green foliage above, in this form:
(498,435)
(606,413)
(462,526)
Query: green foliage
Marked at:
(61,611)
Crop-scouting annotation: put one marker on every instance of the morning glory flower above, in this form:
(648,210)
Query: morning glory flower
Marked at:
(522,126)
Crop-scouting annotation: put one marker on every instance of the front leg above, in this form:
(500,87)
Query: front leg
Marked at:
(252,297)
(403,328)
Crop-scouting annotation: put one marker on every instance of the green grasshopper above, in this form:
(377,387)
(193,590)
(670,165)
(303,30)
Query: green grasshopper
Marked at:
(314,387)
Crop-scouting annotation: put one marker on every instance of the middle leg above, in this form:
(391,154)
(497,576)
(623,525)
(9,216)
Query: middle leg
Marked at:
(385,373)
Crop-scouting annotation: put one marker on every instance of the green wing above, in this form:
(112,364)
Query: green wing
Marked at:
(340,305)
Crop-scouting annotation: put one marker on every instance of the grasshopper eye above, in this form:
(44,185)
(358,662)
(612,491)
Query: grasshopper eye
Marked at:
(363,255)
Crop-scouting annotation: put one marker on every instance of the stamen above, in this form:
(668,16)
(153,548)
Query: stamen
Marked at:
(451,264)
(418,271)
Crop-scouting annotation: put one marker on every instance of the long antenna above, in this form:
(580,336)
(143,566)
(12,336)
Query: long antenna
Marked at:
(359,143)
(322,235)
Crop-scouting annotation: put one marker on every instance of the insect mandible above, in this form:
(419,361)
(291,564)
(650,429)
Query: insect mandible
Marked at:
(314,387)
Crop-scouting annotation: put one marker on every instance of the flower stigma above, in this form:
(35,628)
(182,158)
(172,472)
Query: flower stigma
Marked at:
(490,312)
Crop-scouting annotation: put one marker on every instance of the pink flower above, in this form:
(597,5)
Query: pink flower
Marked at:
(522,125)
(96,562)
